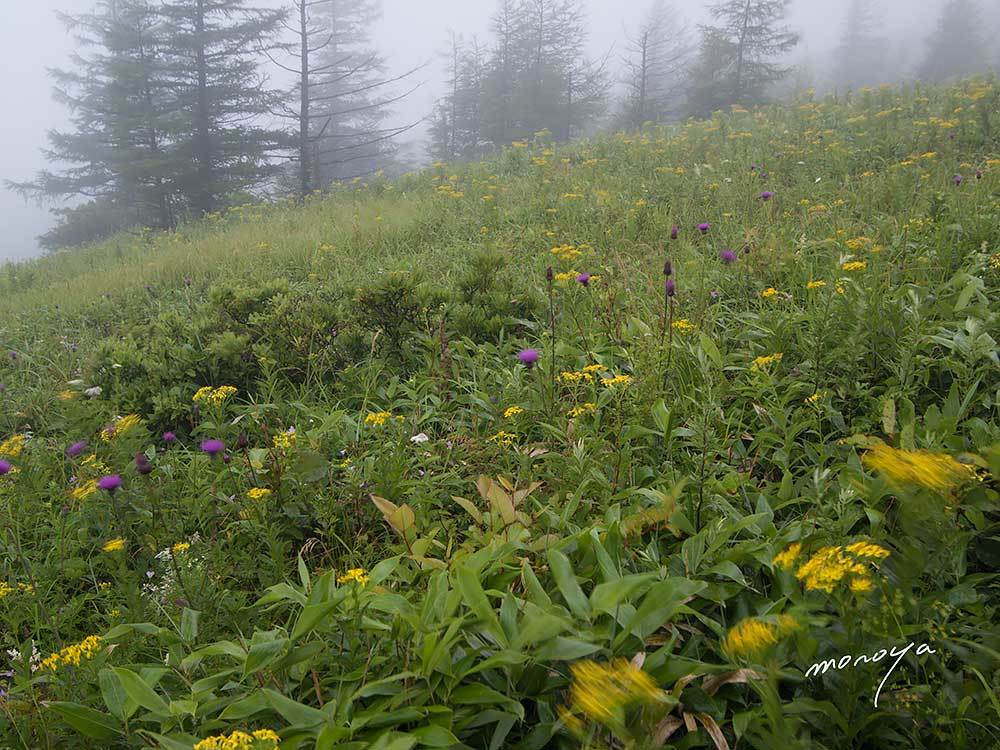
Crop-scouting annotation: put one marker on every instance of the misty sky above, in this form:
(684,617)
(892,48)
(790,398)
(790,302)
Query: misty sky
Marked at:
(411,32)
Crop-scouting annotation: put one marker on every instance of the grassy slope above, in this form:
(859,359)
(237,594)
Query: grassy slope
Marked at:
(868,181)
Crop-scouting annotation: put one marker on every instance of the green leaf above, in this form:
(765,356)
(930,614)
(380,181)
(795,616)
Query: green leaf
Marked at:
(87,721)
(565,649)
(311,616)
(709,347)
(114,695)
(661,416)
(264,654)
(244,707)
(661,603)
(189,624)
(467,582)
(435,736)
(140,692)
(562,571)
(293,712)
(606,597)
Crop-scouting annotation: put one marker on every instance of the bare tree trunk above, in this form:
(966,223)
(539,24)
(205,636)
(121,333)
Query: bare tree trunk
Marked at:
(737,88)
(305,179)
(204,200)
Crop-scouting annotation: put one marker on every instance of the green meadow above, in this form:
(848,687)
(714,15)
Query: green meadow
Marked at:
(601,444)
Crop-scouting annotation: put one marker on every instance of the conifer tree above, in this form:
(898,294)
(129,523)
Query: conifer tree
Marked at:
(116,154)
(212,55)
(957,46)
(860,57)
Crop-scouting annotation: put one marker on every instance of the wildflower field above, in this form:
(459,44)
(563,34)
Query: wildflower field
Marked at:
(596,445)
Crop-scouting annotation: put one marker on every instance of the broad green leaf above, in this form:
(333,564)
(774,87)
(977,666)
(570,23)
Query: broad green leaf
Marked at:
(565,649)
(292,711)
(467,582)
(189,624)
(140,692)
(606,597)
(659,605)
(435,736)
(244,707)
(87,721)
(264,654)
(562,571)
(114,695)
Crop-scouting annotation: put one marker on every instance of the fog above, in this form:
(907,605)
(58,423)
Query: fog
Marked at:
(409,33)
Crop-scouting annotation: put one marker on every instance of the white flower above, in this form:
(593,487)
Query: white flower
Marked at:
(419,438)
(74,383)
(92,392)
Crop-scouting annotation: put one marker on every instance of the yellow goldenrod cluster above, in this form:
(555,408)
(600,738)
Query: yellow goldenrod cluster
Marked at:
(180,547)
(578,411)
(819,284)
(214,396)
(613,382)
(512,411)
(766,360)
(120,426)
(576,377)
(73,654)
(938,472)
(503,439)
(568,252)
(448,190)
(769,293)
(815,398)
(753,636)
(855,265)
(683,325)
(285,441)
(113,545)
(834,565)
(995,261)
(67,395)
(858,243)
(261,739)
(258,493)
(22,588)
(378,418)
(566,276)
(602,691)
(354,574)
(83,490)
(12,446)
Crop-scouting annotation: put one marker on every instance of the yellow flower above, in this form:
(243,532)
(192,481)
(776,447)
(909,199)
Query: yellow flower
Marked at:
(512,411)
(819,284)
(261,739)
(589,369)
(120,426)
(788,557)
(995,261)
(753,636)
(683,326)
(937,472)
(815,398)
(582,409)
(602,691)
(831,566)
(73,654)
(180,547)
(214,396)
(503,439)
(285,441)
(617,380)
(84,490)
(378,418)
(12,446)
(765,361)
(114,545)
(769,293)
(258,493)
(66,395)
(354,574)
(855,265)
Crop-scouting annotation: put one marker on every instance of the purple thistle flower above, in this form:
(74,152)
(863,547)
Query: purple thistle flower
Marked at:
(584,278)
(671,288)
(169,437)
(13,355)
(727,256)
(213,447)
(668,269)
(674,231)
(549,275)
(109,483)
(76,449)
(142,464)
(714,295)
(5,467)
(979,174)
(766,195)
(753,167)
(958,179)
(704,227)
(528,357)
